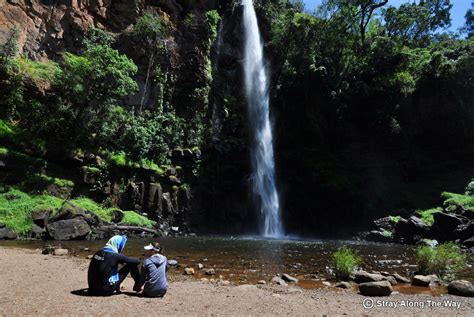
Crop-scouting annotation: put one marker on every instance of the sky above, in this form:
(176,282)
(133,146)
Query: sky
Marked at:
(457,12)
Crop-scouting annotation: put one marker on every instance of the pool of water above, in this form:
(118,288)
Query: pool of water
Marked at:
(249,259)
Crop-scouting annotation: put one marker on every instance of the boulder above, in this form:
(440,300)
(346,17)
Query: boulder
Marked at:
(464,231)
(364,277)
(401,279)
(289,278)
(379,236)
(391,279)
(345,285)
(41,217)
(173,262)
(469,242)
(381,288)
(69,229)
(210,272)
(423,280)
(385,223)
(446,223)
(410,230)
(279,281)
(37,232)
(461,288)
(189,271)
(60,252)
(7,234)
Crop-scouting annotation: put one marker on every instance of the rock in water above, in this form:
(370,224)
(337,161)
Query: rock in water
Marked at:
(382,288)
(69,229)
(278,280)
(391,279)
(60,252)
(189,271)
(364,277)
(423,280)
(210,272)
(345,285)
(461,288)
(289,278)
(173,262)
(401,279)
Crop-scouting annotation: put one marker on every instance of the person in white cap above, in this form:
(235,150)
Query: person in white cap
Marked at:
(153,273)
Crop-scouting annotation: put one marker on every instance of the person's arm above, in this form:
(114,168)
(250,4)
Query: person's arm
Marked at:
(122,259)
(137,287)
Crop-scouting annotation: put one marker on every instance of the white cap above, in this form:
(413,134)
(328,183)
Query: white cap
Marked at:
(150,247)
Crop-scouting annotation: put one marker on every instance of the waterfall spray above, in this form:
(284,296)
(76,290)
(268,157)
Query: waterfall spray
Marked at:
(256,88)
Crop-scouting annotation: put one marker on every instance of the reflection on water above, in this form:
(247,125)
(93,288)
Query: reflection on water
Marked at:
(248,259)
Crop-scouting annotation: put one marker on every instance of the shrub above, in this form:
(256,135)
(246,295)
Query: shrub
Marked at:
(427,215)
(132,218)
(445,261)
(345,261)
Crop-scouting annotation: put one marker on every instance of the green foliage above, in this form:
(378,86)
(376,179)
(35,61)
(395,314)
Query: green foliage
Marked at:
(95,36)
(42,179)
(9,48)
(427,215)
(16,208)
(445,261)
(345,261)
(212,19)
(454,201)
(469,190)
(132,218)
(395,219)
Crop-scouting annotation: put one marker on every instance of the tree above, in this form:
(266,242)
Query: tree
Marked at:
(414,23)
(151,31)
(92,83)
(9,48)
(469,26)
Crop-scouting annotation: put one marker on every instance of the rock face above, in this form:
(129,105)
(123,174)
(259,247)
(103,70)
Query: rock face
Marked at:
(461,288)
(69,229)
(364,277)
(382,288)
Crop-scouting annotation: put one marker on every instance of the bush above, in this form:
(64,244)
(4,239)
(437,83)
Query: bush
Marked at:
(132,218)
(345,261)
(427,215)
(445,261)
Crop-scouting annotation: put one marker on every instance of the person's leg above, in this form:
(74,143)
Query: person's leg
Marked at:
(129,268)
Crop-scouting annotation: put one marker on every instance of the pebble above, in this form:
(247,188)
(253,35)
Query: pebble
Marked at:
(61,252)
(325,283)
(200,266)
(189,271)
(210,272)
(262,282)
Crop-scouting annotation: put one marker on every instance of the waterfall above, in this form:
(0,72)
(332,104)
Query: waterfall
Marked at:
(256,88)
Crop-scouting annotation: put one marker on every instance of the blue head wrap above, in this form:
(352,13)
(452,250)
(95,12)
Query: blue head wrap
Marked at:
(115,245)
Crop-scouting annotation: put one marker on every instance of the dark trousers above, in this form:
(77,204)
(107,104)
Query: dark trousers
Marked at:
(123,272)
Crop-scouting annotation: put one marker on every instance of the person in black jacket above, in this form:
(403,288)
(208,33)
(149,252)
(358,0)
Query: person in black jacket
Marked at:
(103,276)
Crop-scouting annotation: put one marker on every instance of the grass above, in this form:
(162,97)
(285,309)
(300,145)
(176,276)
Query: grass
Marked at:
(18,137)
(42,179)
(17,207)
(445,261)
(133,218)
(345,261)
(427,215)
(120,159)
(454,201)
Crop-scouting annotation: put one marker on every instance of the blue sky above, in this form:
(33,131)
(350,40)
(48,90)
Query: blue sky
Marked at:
(457,12)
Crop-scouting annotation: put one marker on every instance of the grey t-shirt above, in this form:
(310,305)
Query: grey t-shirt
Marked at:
(153,276)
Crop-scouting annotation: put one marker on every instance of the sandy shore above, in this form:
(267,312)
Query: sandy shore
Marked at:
(33,284)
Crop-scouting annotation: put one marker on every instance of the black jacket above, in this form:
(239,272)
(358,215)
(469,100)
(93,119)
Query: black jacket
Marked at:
(100,270)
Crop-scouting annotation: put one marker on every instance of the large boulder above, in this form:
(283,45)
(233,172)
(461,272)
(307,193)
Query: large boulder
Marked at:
(70,210)
(445,224)
(364,277)
(410,230)
(461,288)
(464,231)
(7,234)
(424,280)
(379,236)
(381,288)
(69,229)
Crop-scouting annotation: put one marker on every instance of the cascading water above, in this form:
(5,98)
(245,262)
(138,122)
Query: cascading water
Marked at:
(263,163)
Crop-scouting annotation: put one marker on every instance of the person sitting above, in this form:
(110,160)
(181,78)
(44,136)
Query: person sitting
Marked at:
(153,272)
(103,276)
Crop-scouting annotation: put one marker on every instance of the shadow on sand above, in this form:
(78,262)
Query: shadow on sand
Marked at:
(85,292)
